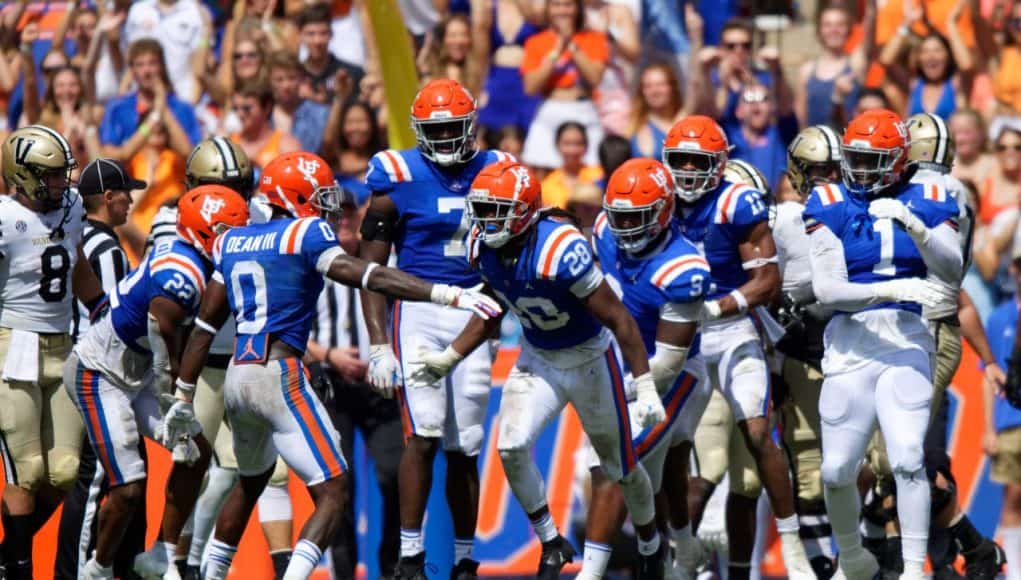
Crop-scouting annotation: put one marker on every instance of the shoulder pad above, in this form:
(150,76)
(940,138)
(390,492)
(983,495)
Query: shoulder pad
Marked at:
(932,191)
(553,248)
(388,165)
(678,269)
(176,263)
(736,206)
(828,194)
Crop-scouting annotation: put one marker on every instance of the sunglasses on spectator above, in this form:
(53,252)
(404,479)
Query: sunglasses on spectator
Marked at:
(736,45)
(754,96)
(1016,147)
(246,108)
(246,56)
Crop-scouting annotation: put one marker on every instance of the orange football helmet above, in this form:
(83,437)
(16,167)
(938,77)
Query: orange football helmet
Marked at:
(503,202)
(639,203)
(206,212)
(443,117)
(874,151)
(300,184)
(696,150)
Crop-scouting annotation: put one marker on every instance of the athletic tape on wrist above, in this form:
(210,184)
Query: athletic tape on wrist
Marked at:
(742,302)
(368,271)
(205,326)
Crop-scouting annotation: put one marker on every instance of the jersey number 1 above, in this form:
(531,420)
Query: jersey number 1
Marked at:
(885,266)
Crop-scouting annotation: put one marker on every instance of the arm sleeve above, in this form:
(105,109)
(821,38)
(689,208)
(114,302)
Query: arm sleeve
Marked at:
(829,275)
(667,364)
(942,252)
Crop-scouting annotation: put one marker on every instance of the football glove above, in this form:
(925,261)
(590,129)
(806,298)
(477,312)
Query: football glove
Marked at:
(384,372)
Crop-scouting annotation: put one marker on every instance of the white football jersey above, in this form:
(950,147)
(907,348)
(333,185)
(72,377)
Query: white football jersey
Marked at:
(36,265)
(966,223)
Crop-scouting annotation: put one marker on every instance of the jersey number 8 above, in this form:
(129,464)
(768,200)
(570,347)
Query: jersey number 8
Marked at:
(56,263)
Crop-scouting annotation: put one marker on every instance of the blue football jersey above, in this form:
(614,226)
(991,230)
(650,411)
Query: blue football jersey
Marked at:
(717,223)
(542,285)
(675,273)
(431,233)
(270,273)
(172,269)
(876,250)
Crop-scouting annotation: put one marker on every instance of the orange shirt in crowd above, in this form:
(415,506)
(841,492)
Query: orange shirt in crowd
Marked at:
(1007,83)
(270,150)
(556,190)
(166,182)
(891,15)
(566,75)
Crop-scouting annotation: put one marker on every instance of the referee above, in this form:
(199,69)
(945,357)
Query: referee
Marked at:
(106,189)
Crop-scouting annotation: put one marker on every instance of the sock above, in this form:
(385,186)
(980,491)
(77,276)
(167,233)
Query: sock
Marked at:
(17,546)
(787,525)
(170,550)
(304,560)
(1012,545)
(595,558)
(545,528)
(815,535)
(463,549)
(648,547)
(871,530)
(684,540)
(914,569)
(964,533)
(218,484)
(281,559)
(913,511)
(220,556)
(844,505)
(411,543)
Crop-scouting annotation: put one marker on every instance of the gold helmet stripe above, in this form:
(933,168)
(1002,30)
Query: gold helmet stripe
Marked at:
(942,139)
(230,162)
(832,140)
(68,155)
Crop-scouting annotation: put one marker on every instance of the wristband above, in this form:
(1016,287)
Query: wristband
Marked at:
(368,270)
(742,302)
(145,129)
(184,390)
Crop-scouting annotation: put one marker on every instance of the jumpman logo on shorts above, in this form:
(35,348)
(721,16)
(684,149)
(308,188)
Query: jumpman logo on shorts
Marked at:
(249,350)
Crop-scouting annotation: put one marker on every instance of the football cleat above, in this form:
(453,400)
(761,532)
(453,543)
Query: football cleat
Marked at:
(985,561)
(466,569)
(556,553)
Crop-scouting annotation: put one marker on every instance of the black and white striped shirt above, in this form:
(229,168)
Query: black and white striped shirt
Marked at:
(339,322)
(103,250)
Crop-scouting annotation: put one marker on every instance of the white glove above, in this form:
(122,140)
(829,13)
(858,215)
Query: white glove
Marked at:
(177,423)
(928,293)
(892,209)
(648,408)
(471,299)
(711,310)
(384,373)
(433,366)
(185,451)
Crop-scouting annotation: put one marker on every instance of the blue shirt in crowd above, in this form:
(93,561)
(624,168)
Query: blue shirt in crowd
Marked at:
(771,156)
(121,119)
(1001,328)
(307,124)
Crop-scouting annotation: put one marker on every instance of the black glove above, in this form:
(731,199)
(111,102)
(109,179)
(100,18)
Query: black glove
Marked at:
(1012,390)
(322,383)
(790,314)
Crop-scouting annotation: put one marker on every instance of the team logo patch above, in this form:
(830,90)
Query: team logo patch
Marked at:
(21,226)
(210,207)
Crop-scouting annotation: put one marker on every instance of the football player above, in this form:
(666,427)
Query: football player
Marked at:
(418,207)
(121,365)
(542,269)
(879,248)
(662,279)
(730,224)
(272,274)
(42,268)
(813,158)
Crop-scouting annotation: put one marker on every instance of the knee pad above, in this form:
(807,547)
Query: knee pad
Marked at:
(279,477)
(469,441)
(839,472)
(30,471)
(906,460)
(63,470)
(275,504)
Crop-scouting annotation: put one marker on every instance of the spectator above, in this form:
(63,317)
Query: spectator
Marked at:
(339,340)
(253,103)
(617,20)
(973,161)
(352,40)
(65,109)
(764,131)
(448,53)
(320,64)
(663,34)
(732,66)
(103,65)
(943,65)
(585,203)
(501,33)
(613,152)
(658,105)
(1006,72)
(303,118)
(163,169)
(243,59)
(998,212)
(572,145)
(832,79)
(563,63)
(129,119)
(180,26)
(264,21)
(509,139)
(1002,441)
(1001,189)
(869,98)
(359,139)
(420,16)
